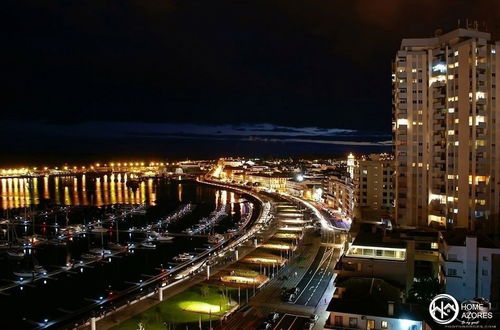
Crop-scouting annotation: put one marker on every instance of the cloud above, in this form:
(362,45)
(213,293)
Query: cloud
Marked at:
(263,132)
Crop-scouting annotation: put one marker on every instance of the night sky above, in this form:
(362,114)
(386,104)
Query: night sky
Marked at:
(291,63)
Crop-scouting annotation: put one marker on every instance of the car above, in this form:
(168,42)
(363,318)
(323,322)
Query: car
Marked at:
(308,325)
(273,316)
(266,325)
(313,318)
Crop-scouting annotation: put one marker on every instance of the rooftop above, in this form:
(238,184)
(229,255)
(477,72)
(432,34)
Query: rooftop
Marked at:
(452,37)
(457,237)
(370,296)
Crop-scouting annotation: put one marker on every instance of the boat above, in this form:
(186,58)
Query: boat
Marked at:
(183,257)
(100,251)
(160,237)
(89,256)
(163,238)
(148,245)
(215,239)
(16,254)
(139,210)
(57,242)
(36,271)
(116,246)
(98,229)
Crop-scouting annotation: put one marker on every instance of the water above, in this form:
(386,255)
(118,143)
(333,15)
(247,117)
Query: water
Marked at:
(76,200)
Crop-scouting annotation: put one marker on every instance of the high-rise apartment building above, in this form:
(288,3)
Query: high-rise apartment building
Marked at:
(446,130)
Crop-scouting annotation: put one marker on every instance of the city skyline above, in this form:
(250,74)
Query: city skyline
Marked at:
(266,164)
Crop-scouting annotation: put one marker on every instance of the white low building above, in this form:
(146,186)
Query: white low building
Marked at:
(368,304)
(469,263)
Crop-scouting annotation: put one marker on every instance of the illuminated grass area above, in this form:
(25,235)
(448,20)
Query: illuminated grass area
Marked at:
(277,246)
(286,235)
(185,307)
(294,229)
(238,279)
(245,272)
(293,221)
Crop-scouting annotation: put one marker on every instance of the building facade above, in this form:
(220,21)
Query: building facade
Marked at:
(340,195)
(445,131)
(373,185)
(470,265)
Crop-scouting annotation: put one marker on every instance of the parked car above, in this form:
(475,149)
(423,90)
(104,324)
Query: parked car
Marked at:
(273,316)
(266,325)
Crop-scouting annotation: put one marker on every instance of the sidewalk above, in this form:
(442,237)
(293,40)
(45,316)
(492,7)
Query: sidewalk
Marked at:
(323,315)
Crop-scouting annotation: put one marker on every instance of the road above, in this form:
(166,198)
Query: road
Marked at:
(289,322)
(316,284)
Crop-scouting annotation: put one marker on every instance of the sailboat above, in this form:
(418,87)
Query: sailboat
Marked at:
(116,246)
(35,272)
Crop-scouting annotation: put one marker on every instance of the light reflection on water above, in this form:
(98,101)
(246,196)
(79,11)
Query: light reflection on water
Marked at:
(76,190)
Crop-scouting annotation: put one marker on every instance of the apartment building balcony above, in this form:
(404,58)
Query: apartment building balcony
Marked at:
(438,149)
(401,74)
(444,260)
(403,159)
(438,84)
(481,125)
(400,113)
(438,118)
(481,101)
(439,105)
(482,88)
(439,93)
(482,65)
(402,84)
(402,137)
(402,95)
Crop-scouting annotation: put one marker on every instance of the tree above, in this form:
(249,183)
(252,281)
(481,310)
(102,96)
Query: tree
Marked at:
(205,290)
(424,289)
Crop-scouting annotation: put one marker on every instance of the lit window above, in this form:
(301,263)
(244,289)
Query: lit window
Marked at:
(455,53)
(384,325)
(451,132)
(439,67)
(451,110)
(402,122)
(493,51)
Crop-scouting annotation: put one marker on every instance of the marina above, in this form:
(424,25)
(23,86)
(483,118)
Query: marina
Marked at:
(89,248)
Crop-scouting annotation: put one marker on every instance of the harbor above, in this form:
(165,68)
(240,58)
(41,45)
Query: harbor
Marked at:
(88,248)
